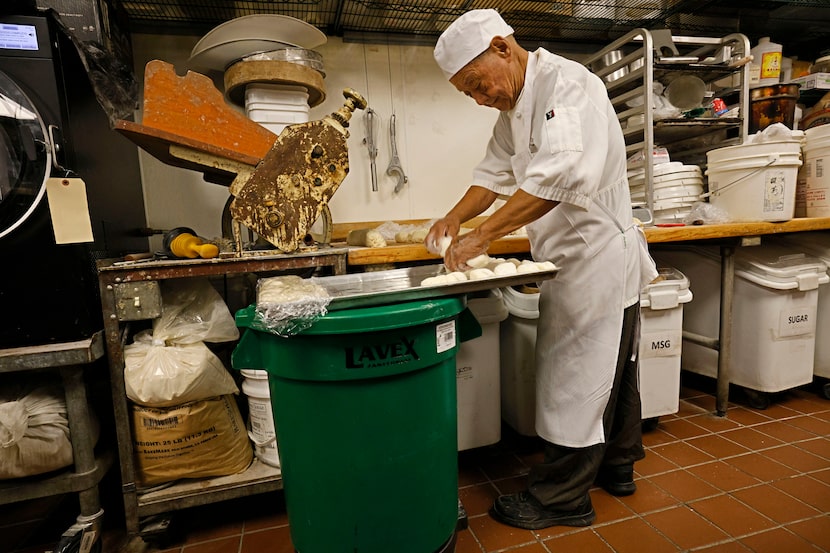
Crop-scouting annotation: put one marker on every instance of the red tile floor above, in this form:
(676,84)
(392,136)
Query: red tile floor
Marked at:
(755,480)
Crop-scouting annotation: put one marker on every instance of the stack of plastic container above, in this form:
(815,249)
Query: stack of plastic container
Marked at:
(676,189)
(276,106)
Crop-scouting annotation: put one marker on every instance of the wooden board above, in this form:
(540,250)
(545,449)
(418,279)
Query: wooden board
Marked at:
(505,247)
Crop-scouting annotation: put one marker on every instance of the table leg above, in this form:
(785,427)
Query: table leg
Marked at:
(727,288)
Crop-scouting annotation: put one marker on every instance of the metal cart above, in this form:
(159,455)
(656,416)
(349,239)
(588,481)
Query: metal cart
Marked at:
(70,359)
(130,294)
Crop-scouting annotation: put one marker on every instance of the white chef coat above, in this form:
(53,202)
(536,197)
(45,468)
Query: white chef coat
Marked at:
(562,142)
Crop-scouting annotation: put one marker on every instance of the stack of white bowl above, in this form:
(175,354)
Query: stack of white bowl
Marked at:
(676,189)
(276,106)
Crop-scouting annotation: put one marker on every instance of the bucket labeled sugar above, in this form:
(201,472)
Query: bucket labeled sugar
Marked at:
(260,416)
(755,182)
(817,171)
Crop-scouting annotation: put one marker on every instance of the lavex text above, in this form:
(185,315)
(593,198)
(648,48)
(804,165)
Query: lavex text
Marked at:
(381,354)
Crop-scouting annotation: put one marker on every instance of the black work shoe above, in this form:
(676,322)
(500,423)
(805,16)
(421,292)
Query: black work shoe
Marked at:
(617,480)
(522,510)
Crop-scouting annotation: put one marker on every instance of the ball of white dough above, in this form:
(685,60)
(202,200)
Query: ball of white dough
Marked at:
(479,261)
(458,276)
(481,274)
(525,268)
(545,265)
(506,268)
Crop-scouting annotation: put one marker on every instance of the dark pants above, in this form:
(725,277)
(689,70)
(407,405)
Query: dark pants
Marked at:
(563,479)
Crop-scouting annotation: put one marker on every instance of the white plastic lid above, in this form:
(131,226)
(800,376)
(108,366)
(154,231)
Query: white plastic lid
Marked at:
(490,309)
(668,290)
(524,304)
(780,267)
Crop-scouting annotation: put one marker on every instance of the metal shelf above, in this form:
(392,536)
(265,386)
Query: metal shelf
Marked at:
(631,93)
(114,277)
(804,25)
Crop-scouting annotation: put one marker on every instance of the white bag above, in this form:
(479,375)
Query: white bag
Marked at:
(34,431)
(171,365)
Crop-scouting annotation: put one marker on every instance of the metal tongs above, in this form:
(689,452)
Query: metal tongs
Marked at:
(395,167)
(369,121)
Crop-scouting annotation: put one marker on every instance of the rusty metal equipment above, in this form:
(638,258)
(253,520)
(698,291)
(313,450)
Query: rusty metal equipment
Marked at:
(280,185)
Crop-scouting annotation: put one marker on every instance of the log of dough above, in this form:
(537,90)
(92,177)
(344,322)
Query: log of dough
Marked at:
(366,237)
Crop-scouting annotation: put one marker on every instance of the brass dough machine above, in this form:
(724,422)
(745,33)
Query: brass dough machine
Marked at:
(279,185)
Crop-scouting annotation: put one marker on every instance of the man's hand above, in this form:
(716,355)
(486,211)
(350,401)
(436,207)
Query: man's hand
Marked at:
(441,231)
(463,249)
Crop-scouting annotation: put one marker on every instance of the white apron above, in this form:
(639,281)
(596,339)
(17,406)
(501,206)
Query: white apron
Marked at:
(581,309)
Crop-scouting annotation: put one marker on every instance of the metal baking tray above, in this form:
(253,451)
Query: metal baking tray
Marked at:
(399,285)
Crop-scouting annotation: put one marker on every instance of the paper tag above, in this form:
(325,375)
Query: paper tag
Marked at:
(796,321)
(445,336)
(661,344)
(69,209)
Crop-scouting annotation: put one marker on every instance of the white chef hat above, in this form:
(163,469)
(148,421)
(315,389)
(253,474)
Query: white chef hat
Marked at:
(467,37)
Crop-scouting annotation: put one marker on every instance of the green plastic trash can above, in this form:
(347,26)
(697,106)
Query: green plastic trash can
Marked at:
(364,405)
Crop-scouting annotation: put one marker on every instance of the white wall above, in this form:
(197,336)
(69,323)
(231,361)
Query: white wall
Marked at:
(441,135)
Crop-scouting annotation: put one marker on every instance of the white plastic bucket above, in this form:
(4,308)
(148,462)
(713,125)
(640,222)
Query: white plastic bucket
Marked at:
(755,182)
(661,336)
(518,359)
(260,417)
(477,376)
(817,171)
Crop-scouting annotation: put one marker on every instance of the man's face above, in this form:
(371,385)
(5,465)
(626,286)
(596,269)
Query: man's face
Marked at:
(489,80)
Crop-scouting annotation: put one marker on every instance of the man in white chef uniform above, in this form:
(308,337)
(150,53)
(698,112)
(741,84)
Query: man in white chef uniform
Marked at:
(557,152)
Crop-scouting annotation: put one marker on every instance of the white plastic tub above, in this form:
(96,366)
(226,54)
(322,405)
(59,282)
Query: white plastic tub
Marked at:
(817,171)
(477,376)
(755,182)
(518,359)
(817,244)
(773,314)
(661,334)
(285,117)
(260,417)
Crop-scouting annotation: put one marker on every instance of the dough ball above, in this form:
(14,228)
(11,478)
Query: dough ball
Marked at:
(525,268)
(504,269)
(545,265)
(479,261)
(444,245)
(418,235)
(402,237)
(458,276)
(481,274)
(366,237)
(514,261)
(431,281)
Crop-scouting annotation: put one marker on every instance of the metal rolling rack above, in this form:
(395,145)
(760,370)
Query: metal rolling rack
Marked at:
(661,58)
(130,292)
(69,359)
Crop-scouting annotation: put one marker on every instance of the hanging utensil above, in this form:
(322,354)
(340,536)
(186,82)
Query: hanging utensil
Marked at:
(369,121)
(395,167)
